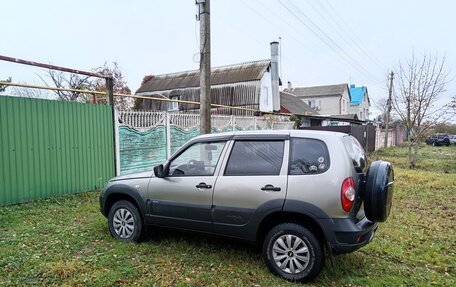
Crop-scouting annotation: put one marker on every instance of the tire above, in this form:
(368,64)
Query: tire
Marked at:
(378,195)
(308,252)
(125,222)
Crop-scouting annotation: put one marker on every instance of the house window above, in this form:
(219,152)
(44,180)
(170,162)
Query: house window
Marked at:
(311,103)
(173,106)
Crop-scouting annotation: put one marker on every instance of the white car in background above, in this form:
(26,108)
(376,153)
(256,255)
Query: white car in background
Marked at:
(452,139)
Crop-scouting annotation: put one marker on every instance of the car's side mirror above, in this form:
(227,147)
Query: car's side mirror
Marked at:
(159,171)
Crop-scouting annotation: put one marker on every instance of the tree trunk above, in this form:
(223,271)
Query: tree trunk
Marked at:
(412,154)
(411,162)
(415,153)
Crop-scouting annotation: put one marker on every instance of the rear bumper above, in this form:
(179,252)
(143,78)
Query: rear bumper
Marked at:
(345,236)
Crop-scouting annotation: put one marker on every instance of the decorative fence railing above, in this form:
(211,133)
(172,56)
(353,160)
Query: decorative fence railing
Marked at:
(147,139)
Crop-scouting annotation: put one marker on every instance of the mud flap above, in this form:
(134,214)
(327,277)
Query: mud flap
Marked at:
(330,253)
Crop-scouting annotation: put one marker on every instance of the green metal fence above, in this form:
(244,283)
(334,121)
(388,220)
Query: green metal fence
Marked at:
(52,148)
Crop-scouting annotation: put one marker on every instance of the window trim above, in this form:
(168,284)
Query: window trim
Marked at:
(291,153)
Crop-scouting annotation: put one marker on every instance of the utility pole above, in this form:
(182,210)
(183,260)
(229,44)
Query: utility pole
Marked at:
(388,108)
(205,65)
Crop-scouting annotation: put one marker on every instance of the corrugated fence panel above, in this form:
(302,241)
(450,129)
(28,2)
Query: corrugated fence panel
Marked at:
(50,148)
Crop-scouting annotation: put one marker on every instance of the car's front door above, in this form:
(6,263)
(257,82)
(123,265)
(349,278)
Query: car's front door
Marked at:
(183,198)
(252,184)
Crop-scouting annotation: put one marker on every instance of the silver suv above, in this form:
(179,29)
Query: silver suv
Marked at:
(295,193)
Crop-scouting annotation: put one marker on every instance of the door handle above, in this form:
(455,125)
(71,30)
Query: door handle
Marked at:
(203,185)
(270,187)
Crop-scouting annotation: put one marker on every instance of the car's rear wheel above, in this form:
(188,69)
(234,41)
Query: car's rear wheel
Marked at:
(293,252)
(378,195)
(125,222)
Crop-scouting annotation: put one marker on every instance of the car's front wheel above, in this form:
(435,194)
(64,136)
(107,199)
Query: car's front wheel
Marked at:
(293,252)
(125,222)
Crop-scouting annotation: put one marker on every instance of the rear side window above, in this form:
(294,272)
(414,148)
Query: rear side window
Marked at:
(308,156)
(356,152)
(255,158)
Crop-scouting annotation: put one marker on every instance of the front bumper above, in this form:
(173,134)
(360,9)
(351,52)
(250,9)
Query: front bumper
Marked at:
(345,236)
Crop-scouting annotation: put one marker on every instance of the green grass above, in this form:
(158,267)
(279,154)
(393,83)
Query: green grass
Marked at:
(64,241)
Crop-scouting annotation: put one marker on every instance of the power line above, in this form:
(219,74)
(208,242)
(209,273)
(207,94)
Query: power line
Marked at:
(331,43)
(283,30)
(347,35)
(373,58)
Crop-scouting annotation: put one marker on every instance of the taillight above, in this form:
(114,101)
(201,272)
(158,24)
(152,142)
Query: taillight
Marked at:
(347,194)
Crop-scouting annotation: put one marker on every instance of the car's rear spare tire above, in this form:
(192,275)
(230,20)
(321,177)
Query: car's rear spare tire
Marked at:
(378,195)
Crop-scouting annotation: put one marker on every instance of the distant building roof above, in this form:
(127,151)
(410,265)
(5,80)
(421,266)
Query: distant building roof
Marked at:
(357,94)
(346,117)
(243,72)
(319,91)
(295,105)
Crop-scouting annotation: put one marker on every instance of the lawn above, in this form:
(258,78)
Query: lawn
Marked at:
(64,241)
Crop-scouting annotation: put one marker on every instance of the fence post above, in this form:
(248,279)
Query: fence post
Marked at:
(110,100)
(233,124)
(168,135)
(254,123)
(117,142)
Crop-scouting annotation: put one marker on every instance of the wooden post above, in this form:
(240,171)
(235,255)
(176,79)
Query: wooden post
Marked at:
(205,66)
(110,90)
(110,100)
(388,110)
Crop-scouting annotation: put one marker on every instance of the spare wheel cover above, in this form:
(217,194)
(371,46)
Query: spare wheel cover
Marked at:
(379,191)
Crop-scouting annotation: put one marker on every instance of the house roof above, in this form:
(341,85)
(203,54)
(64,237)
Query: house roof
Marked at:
(242,72)
(319,91)
(357,94)
(346,117)
(295,105)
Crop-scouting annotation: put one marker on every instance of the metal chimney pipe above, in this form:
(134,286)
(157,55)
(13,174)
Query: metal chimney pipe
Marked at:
(275,76)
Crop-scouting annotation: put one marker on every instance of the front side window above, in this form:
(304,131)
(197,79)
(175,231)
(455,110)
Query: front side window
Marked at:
(200,159)
(255,158)
(308,156)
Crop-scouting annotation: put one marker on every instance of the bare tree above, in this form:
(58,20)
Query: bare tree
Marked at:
(420,82)
(77,82)
(3,87)
(70,81)
(31,93)
(453,105)
(120,86)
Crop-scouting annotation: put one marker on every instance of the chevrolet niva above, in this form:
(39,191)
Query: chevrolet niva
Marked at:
(299,195)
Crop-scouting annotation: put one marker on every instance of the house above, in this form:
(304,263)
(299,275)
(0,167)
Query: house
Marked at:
(291,104)
(327,100)
(252,85)
(360,102)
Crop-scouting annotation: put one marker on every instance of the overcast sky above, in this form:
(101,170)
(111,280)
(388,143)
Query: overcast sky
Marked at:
(364,39)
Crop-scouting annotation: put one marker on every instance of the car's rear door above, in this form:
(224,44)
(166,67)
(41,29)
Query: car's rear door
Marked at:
(251,184)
